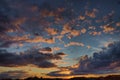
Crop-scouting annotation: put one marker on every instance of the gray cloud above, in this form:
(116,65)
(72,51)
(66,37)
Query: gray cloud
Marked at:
(101,62)
(13,75)
(4,19)
(57,74)
(105,61)
(29,57)
(46,49)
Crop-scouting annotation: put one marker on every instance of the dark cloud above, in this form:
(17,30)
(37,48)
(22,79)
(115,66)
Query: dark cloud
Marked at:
(61,54)
(46,64)
(57,74)
(29,57)
(5,44)
(4,19)
(46,49)
(105,61)
(10,59)
(13,75)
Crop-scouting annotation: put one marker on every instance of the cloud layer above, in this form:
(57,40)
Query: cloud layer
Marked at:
(34,57)
(105,61)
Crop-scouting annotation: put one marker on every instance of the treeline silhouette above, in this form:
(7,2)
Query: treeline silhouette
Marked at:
(110,77)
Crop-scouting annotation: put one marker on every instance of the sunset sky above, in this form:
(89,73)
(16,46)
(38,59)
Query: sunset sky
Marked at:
(59,38)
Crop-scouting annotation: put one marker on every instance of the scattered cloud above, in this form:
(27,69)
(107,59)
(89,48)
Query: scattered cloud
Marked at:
(81,17)
(83,30)
(14,75)
(33,57)
(88,47)
(118,24)
(66,29)
(92,13)
(74,44)
(51,31)
(56,48)
(46,50)
(94,33)
(108,29)
(75,33)
(41,39)
(109,57)
(34,24)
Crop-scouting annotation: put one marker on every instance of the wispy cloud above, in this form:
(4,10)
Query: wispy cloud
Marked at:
(74,44)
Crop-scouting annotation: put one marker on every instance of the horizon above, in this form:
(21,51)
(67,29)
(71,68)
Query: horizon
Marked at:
(110,77)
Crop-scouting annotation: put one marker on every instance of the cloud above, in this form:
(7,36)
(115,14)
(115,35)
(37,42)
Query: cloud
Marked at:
(17,23)
(14,75)
(108,29)
(92,13)
(51,31)
(118,24)
(88,47)
(26,38)
(59,37)
(105,61)
(59,73)
(83,30)
(108,17)
(74,44)
(70,32)
(66,29)
(56,48)
(6,44)
(8,21)
(32,56)
(92,27)
(75,33)
(4,18)
(46,50)
(41,39)
(46,64)
(94,33)
(81,17)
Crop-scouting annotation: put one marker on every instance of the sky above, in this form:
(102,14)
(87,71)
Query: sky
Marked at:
(59,38)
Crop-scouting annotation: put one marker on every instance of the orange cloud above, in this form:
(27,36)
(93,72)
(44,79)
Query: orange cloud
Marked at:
(118,24)
(59,37)
(108,29)
(56,48)
(66,29)
(17,23)
(75,33)
(41,39)
(81,18)
(94,33)
(61,9)
(51,31)
(46,13)
(69,31)
(88,47)
(55,13)
(34,8)
(20,38)
(74,44)
(83,30)
(92,13)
